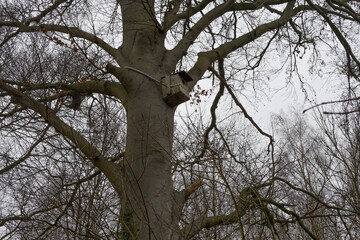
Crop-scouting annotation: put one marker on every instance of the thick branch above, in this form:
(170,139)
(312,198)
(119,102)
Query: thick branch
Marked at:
(257,4)
(245,200)
(192,188)
(209,222)
(111,170)
(96,173)
(171,17)
(204,22)
(209,17)
(182,196)
(72,31)
(205,59)
(109,88)
(118,73)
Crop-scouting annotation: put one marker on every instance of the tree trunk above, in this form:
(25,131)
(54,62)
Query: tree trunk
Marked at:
(149,209)
(148,206)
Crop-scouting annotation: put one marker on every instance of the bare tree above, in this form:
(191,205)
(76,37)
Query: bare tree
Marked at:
(318,166)
(75,74)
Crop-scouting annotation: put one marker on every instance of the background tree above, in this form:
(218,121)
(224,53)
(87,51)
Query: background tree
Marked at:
(319,166)
(81,95)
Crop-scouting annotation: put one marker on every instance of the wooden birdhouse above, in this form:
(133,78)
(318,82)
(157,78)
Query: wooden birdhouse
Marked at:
(175,89)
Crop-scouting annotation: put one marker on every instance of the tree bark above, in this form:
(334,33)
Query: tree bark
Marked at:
(149,208)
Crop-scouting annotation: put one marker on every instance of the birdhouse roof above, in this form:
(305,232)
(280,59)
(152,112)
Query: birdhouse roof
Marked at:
(184,76)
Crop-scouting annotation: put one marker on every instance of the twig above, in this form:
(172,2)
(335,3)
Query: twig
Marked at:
(330,102)
(240,105)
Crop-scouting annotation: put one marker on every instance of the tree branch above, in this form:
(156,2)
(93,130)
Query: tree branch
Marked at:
(109,88)
(72,31)
(111,170)
(171,17)
(213,112)
(45,12)
(26,217)
(330,102)
(204,22)
(297,217)
(63,211)
(245,200)
(308,193)
(96,173)
(223,81)
(205,59)
(342,6)
(190,36)
(209,222)
(27,154)
(337,32)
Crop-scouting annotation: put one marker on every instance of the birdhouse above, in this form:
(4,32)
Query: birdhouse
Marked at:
(175,89)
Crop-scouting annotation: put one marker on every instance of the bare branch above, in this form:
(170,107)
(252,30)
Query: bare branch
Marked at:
(45,12)
(244,202)
(297,216)
(171,17)
(189,37)
(208,222)
(27,154)
(330,102)
(64,211)
(307,193)
(109,88)
(93,154)
(192,188)
(337,32)
(342,6)
(27,217)
(223,81)
(96,173)
(72,31)
(213,110)
(342,113)
(206,58)
(204,22)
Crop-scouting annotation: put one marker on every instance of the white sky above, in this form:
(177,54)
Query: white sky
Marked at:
(281,97)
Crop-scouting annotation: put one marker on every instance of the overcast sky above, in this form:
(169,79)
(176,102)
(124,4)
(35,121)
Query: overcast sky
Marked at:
(281,96)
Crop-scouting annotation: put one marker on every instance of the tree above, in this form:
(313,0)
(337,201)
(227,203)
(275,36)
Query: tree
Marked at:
(70,68)
(319,166)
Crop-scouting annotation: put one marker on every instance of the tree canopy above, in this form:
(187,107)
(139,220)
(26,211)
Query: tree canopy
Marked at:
(91,147)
